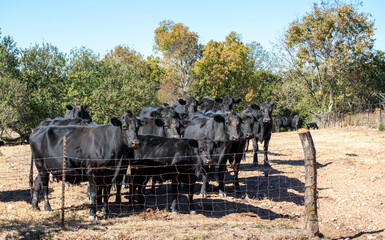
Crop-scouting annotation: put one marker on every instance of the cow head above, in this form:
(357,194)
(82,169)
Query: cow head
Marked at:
(206,148)
(247,121)
(227,103)
(78,111)
(172,127)
(266,110)
(233,126)
(130,126)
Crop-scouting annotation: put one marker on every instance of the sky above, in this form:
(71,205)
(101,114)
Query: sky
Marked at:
(103,25)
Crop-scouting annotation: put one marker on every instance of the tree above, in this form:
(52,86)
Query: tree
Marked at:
(83,76)
(43,73)
(181,50)
(224,69)
(128,83)
(12,91)
(330,42)
(260,56)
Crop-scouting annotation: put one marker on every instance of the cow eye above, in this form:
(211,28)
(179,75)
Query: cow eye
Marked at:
(124,127)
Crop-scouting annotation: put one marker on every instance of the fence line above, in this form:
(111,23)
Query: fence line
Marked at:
(370,115)
(282,188)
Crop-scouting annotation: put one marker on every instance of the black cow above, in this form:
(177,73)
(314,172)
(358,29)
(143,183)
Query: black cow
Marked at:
(312,125)
(237,151)
(262,127)
(78,111)
(218,104)
(219,126)
(97,154)
(288,123)
(297,123)
(180,160)
(186,108)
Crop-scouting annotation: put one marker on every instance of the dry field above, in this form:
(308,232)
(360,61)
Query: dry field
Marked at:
(351,205)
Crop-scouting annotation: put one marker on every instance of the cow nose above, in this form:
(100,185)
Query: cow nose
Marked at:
(176,136)
(236,138)
(267,120)
(135,143)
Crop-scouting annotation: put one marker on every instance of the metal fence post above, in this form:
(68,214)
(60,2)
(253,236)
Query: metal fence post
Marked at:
(311,210)
(63,182)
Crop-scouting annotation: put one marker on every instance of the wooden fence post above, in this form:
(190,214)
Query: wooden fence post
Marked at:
(63,182)
(311,210)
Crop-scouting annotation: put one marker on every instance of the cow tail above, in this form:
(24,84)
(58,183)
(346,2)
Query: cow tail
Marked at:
(31,177)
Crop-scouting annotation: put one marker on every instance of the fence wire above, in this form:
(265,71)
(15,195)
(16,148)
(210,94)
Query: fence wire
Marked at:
(258,185)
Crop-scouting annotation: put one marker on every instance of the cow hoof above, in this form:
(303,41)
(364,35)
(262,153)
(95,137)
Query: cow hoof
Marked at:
(193,212)
(222,194)
(174,212)
(93,218)
(47,209)
(37,209)
(203,195)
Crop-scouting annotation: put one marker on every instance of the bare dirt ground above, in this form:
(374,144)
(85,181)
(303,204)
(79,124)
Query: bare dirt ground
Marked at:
(351,205)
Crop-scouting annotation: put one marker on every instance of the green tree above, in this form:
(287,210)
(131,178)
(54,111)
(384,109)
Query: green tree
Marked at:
(260,56)
(83,76)
(180,50)
(43,73)
(12,91)
(224,69)
(128,83)
(329,42)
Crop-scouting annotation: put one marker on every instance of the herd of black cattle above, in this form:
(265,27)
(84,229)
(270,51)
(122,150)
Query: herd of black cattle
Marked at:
(182,143)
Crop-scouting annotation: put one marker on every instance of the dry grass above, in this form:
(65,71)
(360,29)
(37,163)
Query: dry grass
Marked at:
(350,182)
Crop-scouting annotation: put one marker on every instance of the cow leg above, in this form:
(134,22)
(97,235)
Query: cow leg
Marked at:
(106,195)
(205,183)
(44,184)
(141,188)
(191,187)
(36,193)
(118,198)
(255,152)
(265,149)
(93,192)
(174,194)
(237,162)
(221,178)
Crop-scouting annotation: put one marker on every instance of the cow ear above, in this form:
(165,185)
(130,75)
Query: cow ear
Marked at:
(219,100)
(166,104)
(182,102)
(129,113)
(272,102)
(116,122)
(69,107)
(86,107)
(218,144)
(237,100)
(255,106)
(218,118)
(193,143)
(159,122)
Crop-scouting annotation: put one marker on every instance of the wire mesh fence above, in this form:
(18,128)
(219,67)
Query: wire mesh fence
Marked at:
(274,192)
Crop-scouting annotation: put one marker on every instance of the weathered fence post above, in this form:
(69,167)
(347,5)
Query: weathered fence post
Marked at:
(311,211)
(379,113)
(63,182)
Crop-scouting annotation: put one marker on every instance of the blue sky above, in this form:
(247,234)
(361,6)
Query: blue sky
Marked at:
(102,25)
